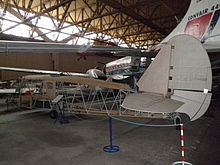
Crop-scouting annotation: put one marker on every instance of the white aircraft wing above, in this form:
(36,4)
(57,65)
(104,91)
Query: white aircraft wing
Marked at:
(46,47)
(7,91)
(212,46)
(44,72)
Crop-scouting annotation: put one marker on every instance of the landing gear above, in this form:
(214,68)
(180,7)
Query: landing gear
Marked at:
(53,114)
(57,111)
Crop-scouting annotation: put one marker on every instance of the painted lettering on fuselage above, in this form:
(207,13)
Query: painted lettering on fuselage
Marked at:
(198,14)
(198,24)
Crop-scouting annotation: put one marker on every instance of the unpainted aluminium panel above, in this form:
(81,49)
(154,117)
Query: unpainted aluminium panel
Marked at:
(191,65)
(156,77)
(148,102)
(195,103)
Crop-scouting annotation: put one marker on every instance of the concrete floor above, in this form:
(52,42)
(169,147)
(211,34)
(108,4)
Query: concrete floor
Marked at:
(33,139)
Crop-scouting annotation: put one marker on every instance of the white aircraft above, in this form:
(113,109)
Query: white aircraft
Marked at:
(201,21)
(179,79)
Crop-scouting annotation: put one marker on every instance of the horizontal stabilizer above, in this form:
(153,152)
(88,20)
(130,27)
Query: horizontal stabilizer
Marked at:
(195,103)
(148,102)
(178,80)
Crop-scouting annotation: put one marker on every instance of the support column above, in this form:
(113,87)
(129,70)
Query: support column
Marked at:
(55,62)
(0,75)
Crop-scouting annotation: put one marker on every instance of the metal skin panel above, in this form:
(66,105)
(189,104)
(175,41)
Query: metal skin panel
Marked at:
(148,102)
(196,103)
(202,21)
(155,79)
(191,65)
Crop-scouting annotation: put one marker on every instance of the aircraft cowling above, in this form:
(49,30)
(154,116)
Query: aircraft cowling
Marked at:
(96,73)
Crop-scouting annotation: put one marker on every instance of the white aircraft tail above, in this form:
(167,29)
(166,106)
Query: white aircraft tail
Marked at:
(202,21)
(178,80)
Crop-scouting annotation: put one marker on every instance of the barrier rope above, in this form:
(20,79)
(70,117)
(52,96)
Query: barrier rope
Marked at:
(85,120)
(183,162)
(145,125)
(131,122)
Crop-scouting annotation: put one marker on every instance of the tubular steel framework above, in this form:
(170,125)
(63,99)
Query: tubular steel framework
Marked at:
(140,23)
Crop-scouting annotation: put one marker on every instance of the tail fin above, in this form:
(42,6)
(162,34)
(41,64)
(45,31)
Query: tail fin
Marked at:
(182,64)
(202,21)
(155,79)
(181,70)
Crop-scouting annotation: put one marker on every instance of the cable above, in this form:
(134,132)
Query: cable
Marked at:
(89,120)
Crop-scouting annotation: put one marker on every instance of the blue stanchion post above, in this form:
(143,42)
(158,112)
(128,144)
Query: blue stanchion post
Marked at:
(111,148)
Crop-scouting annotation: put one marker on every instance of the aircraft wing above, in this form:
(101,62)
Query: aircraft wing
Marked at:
(7,91)
(44,72)
(136,53)
(212,47)
(84,81)
(46,47)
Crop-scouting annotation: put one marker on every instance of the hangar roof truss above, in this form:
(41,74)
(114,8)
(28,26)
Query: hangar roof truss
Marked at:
(139,23)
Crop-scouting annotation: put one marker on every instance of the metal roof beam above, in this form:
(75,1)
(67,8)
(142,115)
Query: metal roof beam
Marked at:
(40,13)
(116,5)
(29,23)
(137,33)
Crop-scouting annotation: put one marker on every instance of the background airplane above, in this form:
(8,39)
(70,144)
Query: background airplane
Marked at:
(201,21)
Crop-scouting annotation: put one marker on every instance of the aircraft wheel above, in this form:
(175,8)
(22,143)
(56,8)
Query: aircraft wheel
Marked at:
(53,114)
